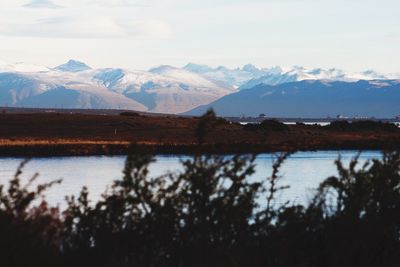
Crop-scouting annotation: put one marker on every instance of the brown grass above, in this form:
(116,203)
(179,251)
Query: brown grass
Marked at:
(111,134)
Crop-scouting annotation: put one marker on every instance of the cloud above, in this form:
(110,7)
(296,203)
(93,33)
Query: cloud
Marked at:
(41,4)
(150,28)
(89,27)
(392,37)
(121,3)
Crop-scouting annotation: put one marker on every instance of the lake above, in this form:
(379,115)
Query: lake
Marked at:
(303,172)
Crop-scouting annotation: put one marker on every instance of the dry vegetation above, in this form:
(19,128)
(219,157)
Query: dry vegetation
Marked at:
(81,134)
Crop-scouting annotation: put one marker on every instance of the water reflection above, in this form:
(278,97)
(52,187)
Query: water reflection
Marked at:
(303,171)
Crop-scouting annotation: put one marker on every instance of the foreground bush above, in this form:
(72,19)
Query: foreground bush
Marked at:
(207,215)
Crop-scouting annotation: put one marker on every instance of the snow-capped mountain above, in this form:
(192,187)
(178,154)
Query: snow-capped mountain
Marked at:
(76,85)
(231,77)
(300,74)
(73,66)
(312,99)
(249,76)
(164,89)
(52,89)
(21,67)
(15,87)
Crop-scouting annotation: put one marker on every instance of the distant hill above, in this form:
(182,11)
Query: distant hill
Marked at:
(163,89)
(312,99)
(76,85)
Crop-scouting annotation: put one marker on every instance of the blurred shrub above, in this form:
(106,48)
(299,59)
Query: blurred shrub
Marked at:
(208,215)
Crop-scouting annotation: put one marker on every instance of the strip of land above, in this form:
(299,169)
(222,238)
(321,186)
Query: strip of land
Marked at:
(56,134)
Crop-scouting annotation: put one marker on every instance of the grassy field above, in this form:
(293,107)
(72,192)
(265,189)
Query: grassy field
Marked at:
(85,134)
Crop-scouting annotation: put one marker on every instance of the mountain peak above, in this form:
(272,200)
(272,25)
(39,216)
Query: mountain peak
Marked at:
(73,66)
(250,68)
(193,67)
(223,68)
(161,69)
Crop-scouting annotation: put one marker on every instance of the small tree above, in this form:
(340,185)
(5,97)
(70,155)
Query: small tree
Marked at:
(205,124)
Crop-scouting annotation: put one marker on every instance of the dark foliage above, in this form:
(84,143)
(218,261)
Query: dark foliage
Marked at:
(29,229)
(207,215)
(206,123)
(129,114)
(366,125)
(266,125)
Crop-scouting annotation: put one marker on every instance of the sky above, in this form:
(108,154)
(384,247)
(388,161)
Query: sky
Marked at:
(354,35)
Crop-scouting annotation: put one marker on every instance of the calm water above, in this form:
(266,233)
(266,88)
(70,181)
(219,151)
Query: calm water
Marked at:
(303,172)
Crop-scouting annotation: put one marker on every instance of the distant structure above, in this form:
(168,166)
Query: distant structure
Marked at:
(339,117)
(262,115)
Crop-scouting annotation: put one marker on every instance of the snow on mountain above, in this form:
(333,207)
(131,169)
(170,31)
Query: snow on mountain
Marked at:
(54,89)
(369,75)
(249,75)
(75,85)
(164,89)
(297,73)
(21,67)
(182,76)
(15,87)
(73,66)
(196,68)
(232,77)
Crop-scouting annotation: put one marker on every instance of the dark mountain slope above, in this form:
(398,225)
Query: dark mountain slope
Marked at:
(312,99)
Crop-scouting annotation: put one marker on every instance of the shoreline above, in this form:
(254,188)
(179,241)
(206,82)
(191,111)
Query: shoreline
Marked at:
(71,150)
(58,135)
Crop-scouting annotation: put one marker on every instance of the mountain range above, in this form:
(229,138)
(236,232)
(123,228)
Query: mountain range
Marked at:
(249,76)
(312,99)
(187,90)
(76,85)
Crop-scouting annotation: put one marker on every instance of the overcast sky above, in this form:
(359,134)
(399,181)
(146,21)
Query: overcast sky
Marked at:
(350,34)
